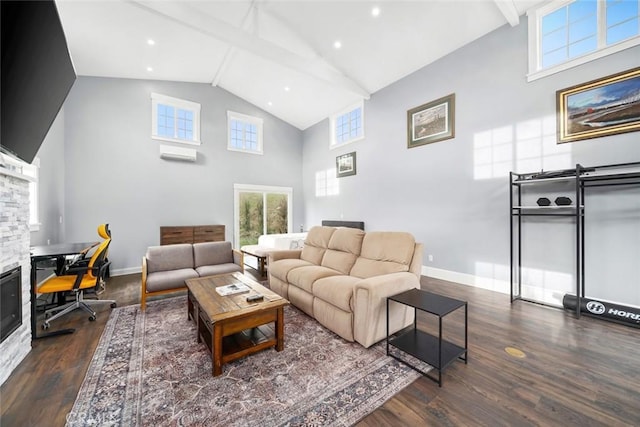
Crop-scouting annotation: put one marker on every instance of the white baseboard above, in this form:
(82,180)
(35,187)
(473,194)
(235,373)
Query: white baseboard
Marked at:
(488,283)
(124,271)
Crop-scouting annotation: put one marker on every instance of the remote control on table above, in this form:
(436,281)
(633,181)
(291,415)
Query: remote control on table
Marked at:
(255,298)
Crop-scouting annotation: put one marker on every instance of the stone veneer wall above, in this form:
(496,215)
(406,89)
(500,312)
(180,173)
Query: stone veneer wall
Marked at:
(14,252)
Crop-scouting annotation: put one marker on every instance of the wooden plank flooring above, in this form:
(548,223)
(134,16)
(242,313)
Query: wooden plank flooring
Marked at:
(576,372)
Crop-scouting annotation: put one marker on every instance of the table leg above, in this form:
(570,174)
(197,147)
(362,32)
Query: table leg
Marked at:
(280,330)
(217,349)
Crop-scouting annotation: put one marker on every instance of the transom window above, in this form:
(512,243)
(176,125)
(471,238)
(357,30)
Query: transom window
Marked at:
(578,31)
(175,120)
(347,126)
(245,133)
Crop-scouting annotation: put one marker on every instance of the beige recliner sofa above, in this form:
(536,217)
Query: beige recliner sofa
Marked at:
(343,276)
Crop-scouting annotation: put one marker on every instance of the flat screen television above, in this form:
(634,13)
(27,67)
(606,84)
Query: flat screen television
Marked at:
(37,74)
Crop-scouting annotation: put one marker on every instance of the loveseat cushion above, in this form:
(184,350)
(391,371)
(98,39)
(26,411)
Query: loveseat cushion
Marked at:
(343,250)
(282,267)
(336,290)
(169,257)
(384,252)
(170,279)
(316,244)
(212,253)
(212,270)
(303,277)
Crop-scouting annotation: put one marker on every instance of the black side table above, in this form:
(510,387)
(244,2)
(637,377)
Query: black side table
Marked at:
(430,349)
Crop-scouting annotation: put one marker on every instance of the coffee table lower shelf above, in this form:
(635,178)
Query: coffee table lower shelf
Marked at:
(424,346)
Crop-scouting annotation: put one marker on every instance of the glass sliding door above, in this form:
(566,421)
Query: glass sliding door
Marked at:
(260,210)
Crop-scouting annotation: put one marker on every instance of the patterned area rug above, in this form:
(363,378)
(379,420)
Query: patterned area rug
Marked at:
(149,370)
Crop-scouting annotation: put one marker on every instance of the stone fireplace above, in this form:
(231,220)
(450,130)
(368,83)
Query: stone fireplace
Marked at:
(14,252)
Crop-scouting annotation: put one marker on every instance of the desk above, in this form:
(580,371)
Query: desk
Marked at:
(43,253)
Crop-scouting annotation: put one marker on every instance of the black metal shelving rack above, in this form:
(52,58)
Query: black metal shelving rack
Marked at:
(623,174)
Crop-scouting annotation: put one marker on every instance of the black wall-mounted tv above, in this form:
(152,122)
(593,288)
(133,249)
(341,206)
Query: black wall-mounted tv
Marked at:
(37,74)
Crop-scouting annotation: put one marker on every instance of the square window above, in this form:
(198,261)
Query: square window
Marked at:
(245,133)
(175,119)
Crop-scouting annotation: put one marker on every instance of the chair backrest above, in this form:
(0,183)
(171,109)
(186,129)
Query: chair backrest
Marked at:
(100,254)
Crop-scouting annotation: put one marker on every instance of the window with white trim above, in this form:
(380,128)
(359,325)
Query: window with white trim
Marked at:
(347,126)
(563,35)
(33,171)
(327,183)
(245,133)
(174,119)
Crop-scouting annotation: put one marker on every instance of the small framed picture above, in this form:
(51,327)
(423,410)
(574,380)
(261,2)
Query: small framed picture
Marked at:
(606,106)
(346,165)
(431,122)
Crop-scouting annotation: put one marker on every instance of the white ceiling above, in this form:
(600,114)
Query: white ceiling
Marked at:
(256,49)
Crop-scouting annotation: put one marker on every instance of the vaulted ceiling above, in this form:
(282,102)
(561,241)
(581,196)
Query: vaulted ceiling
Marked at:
(299,60)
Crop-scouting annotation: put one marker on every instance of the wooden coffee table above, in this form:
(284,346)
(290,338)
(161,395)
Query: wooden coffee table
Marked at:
(230,326)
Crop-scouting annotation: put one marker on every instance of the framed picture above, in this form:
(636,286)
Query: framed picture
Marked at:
(346,165)
(606,106)
(431,122)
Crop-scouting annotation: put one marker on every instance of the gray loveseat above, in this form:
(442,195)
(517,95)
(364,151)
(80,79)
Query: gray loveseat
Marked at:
(165,268)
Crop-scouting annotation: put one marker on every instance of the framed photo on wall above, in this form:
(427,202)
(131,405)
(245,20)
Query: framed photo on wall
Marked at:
(606,106)
(346,165)
(431,122)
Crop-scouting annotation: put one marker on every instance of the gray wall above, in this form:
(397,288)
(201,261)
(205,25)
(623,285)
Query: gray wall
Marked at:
(51,185)
(114,173)
(453,195)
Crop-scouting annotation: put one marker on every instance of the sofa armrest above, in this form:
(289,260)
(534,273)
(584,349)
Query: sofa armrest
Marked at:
(238,258)
(370,306)
(287,254)
(143,293)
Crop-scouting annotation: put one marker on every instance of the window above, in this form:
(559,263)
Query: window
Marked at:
(261,210)
(33,172)
(175,119)
(578,31)
(347,126)
(245,133)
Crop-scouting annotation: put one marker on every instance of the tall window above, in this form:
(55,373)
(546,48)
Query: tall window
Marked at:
(261,210)
(578,31)
(347,126)
(245,133)
(33,171)
(175,120)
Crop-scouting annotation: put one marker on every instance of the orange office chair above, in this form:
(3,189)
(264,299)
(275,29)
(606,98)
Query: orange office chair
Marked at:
(83,274)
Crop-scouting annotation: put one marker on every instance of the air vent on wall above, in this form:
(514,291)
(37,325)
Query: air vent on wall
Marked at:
(178,153)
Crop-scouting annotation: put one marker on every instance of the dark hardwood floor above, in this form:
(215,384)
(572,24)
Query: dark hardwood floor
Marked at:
(576,372)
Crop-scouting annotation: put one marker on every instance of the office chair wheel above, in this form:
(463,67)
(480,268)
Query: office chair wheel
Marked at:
(45,326)
(114,305)
(92,318)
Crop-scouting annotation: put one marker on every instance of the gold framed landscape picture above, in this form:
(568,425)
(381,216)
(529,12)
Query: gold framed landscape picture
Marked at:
(431,122)
(346,165)
(607,106)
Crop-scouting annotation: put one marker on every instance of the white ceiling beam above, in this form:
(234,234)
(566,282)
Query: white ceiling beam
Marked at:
(190,17)
(248,22)
(509,10)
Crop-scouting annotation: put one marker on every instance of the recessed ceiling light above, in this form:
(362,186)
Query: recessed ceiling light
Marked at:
(337,44)
(287,88)
(149,69)
(151,42)
(269,103)
(375,11)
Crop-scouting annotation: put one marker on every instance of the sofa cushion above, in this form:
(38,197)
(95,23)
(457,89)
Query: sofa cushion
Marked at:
(343,250)
(212,270)
(316,244)
(384,252)
(281,267)
(170,279)
(303,277)
(212,253)
(169,257)
(336,290)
